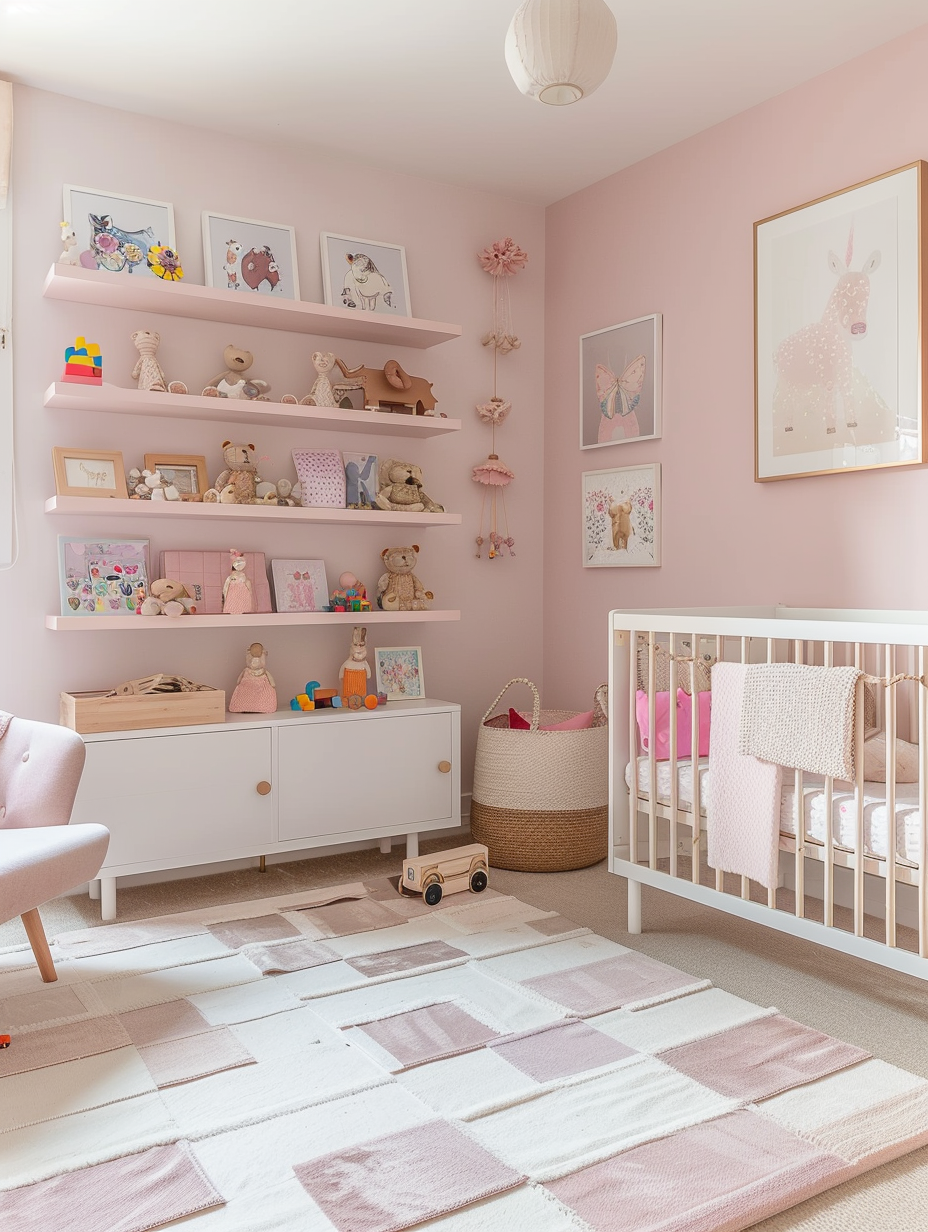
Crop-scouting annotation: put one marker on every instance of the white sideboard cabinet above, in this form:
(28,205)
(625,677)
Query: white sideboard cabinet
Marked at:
(258,785)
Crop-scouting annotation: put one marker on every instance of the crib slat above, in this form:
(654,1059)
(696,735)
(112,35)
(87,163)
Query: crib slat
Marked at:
(890,731)
(674,791)
(694,765)
(828,906)
(859,800)
(652,753)
(771,658)
(719,652)
(922,807)
(633,791)
(745,659)
(799,817)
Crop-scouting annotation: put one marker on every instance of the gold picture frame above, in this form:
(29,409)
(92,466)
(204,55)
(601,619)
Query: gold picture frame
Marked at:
(839,355)
(187,471)
(89,472)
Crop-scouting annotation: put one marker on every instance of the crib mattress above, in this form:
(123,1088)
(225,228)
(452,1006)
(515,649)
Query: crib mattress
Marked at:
(843,808)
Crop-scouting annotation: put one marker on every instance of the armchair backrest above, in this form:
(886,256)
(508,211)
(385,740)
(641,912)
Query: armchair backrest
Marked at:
(40,769)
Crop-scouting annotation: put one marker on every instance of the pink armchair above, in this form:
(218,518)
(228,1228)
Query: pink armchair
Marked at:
(41,855)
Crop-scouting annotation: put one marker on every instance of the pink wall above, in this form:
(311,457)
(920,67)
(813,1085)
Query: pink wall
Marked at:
(441,227)
(674,234)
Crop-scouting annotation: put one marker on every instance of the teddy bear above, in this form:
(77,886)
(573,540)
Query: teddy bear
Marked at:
(400,487)
(238,483)
(622,528)
(167,598)
(232,383)
(147,370)
(399,590)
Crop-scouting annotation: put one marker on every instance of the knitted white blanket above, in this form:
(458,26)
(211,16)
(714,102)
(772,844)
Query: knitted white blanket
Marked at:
(799,716)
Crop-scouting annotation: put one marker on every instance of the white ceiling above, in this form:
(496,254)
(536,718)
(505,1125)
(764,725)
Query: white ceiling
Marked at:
(421,85)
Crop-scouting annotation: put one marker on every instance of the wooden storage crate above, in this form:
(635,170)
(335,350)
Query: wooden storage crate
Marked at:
(95,712)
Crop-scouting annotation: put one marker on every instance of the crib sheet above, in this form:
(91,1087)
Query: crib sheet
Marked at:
(843,808)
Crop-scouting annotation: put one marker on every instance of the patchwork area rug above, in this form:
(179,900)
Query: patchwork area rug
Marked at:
(351,1060)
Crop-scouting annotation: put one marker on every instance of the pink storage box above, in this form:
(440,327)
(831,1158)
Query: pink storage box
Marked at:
(203,573)
(684,723)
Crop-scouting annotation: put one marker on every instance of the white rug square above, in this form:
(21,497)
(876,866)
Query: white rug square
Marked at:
(75,1086)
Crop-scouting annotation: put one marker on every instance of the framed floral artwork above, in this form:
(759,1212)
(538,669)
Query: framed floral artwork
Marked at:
(115,232)
(299,585)
(839,360)
(622,517)
(366,275)
(399,672)
(254,258)
(620,383)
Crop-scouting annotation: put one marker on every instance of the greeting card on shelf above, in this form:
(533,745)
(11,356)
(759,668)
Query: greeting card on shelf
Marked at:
(300,585)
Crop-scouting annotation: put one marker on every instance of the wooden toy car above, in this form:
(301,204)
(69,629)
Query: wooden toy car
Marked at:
(446,872)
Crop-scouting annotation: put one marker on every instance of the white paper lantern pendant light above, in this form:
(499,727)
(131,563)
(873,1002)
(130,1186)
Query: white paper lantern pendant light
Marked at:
(559,51)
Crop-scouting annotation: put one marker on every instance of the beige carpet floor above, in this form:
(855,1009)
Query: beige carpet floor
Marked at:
(882,1011)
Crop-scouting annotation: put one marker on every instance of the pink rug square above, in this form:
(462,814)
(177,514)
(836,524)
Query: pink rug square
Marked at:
(762,1058)
(564,1048)
(440,1030)
(406,959)
(156,1024)
(611,983)
(291,956)
(131,1194)
(402,1179)
(234,933)
(53,1045)
(51,1002)
(194,1056)
(720,1176)
(355,916)
(553,925)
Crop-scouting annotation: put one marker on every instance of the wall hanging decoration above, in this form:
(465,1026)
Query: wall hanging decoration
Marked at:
(839,357)
(622,517)
(501,260)
(365,275)
(114,232)
(620,383)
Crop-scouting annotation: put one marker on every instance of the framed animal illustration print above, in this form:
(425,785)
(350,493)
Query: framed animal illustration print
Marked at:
(365,275)
(254,258)
(114,232)
(620,383)
(300,585)
(839,361)
(622,517)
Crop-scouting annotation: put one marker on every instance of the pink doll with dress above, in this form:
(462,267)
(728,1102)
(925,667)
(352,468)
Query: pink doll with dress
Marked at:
(255,692)
(238,595)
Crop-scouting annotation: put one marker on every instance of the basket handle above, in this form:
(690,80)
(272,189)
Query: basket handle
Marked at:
(601,701)
(536,708)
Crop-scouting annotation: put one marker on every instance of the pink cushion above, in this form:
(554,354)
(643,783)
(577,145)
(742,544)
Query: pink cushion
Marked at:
(576,723)
(684,723)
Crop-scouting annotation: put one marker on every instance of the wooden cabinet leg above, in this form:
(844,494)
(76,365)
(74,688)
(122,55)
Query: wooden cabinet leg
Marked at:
(412,846)
(39,942)
(386,845)
(93,889)
(108,898)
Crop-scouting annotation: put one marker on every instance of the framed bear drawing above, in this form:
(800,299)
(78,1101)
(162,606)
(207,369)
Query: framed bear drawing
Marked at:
(622,517)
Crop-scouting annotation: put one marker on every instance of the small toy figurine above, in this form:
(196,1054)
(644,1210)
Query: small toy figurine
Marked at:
(83,363)
(355,672)
(238,595)
(232,383)
(165,263)
(70,256)
(446,872)
(316,698)
(147,370)
(255,692)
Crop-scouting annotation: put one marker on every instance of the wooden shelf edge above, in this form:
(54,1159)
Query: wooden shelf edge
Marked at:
(254,620)
(143,294)
(89,506)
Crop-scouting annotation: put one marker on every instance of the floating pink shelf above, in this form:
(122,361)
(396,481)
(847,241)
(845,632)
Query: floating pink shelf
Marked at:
(83,506)
(181,299)
(64,396)
(128,624)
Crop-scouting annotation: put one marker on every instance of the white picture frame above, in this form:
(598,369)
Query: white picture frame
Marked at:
(299,585)
(131,221)
(399,672)
(228,242)
(384,292)
(621,517)
(620,383)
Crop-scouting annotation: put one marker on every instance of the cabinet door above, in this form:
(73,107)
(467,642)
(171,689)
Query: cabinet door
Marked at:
(189,798)
(336,777)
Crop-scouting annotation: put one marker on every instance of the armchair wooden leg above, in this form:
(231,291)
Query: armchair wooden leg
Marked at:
(39,942)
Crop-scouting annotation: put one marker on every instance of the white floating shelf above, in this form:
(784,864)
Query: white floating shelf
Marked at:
(181,299)
(254,620)
(89,506)
(63,396)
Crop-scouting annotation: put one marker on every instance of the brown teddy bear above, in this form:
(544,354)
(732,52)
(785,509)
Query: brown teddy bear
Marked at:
(238,483)
(399,590)
(232,383)
(400,487)
(167,598)
(622,528)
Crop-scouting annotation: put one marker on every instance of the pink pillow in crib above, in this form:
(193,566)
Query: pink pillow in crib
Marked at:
(684,723)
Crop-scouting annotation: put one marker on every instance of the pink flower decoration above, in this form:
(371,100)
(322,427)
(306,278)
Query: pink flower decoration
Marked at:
(503,259)
(106,243)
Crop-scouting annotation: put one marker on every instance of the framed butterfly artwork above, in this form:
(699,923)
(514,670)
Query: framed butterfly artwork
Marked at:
(620,383)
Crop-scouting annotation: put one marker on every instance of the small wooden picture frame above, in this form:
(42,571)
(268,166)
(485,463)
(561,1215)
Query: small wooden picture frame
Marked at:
(187,472)
(89,472)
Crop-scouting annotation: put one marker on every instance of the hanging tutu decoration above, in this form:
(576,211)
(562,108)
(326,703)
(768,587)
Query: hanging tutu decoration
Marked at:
(501,260)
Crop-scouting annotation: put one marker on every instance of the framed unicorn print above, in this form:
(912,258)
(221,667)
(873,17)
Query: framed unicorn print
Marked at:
(620,383)
(365,275)
(839,360)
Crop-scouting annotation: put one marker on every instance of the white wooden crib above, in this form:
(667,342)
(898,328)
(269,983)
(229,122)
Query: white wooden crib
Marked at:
(852,856)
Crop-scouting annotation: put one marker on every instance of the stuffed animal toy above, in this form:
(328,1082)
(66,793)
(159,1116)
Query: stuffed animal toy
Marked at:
(400,487)
(232,383)
(622,528)
(238,483)
(255,692)
(150,485)
(355,672)
(399,590)
(147,370)
(167,598)
(282,493)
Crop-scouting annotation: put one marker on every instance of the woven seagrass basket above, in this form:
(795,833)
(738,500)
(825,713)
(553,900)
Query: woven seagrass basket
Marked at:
(540,800)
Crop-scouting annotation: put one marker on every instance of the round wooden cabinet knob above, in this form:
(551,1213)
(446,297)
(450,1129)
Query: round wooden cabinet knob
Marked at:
(263,788)
(444,767)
